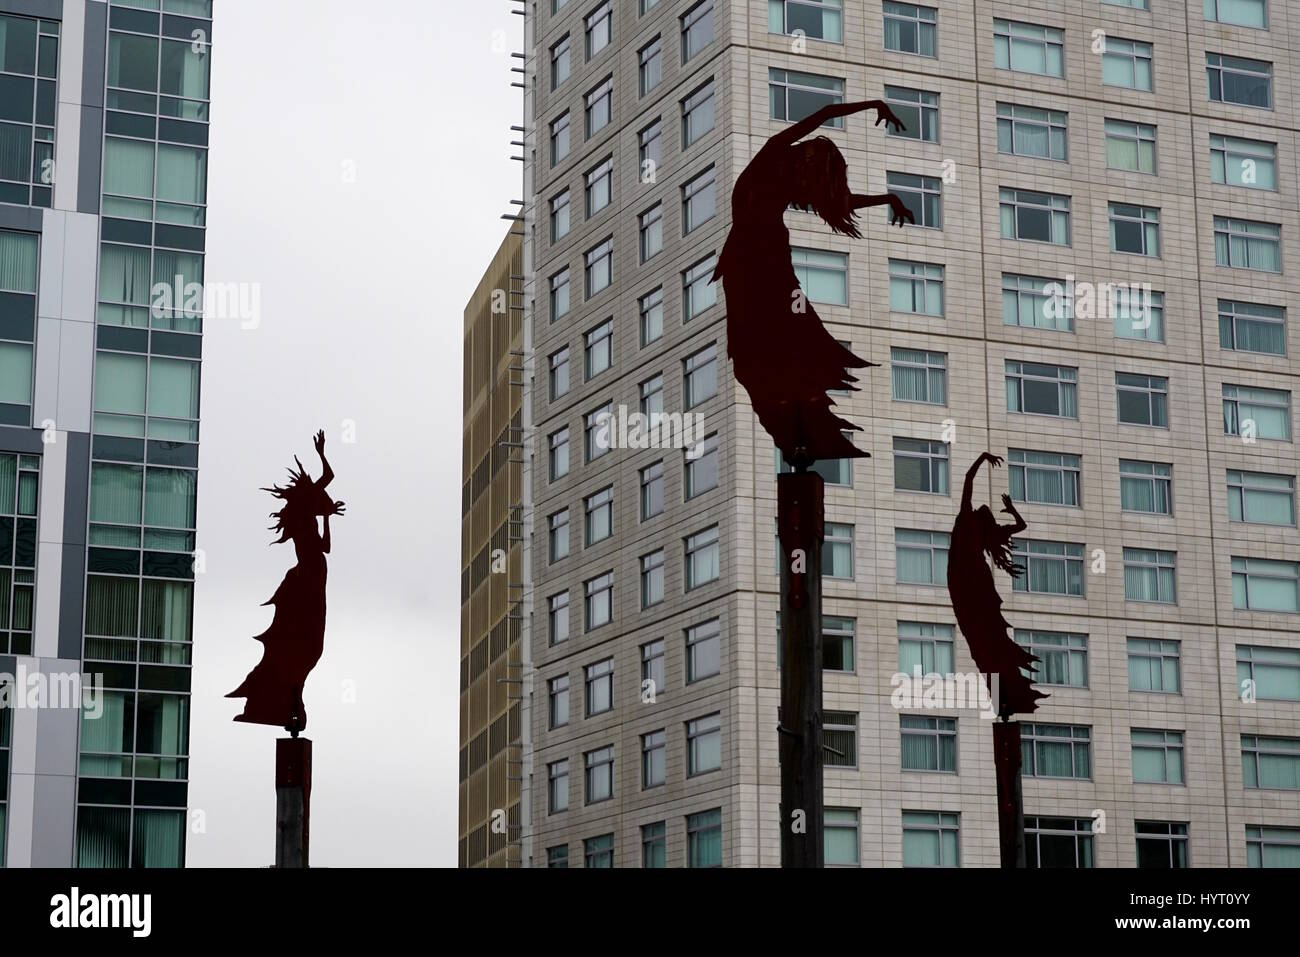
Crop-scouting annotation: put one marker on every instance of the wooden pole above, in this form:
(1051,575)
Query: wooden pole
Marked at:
(292,801)
(1011,808)
(800,503)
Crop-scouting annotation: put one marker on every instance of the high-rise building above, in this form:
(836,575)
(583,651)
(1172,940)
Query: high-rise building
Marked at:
(492,554)
(104,111)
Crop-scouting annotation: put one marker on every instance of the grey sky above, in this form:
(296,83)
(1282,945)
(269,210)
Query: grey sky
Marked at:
(363,287)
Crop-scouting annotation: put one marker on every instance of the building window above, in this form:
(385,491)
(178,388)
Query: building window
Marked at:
(652,490)
(651,309)
(560,61)
(823,276)
(1126,63)
(1037,389)
(559,454)
(793,96)
(1270,763)
(650,150)
(559,373)
(1261,584)
(697,114)
(702,558)
(1139,314)
(1058,842)
(1052,568)
(837,643)
(930,839)
(1157,756)
(558,695)
(600,28)
(596,433)
(1142,399)
(911,29)
(558,791)
(915,288)
(699,200)
(652,396)
(29,63)
(1261,498)
(654,845)
(1034,217)
(559,138)
(1263,413)
(918,110)
(1146,487)
(1130,146)
(1028,48)
(837,551)
(652,667)
(598,352)
(559,535)
(1234,79)
(652,759)
(560,295)
(650,60)
(599,774)
(650,226)
(925,646)
(600,687)
(701,470)
(698,289)
(920,194)
(704,745)
(839,739)
(1134,229)
(19,493)
(1244,244)
(697,29)
(1161,844)
(1045,478)
(599,509)
(558,615)
(1268,674)
(18,276)
(833,471)
(1153,665)
(840,837)
(704,839)
(558,856)
(1035,302)
(921,557)
(920,466)
(818,19)
(600,187)
(599,267)
(918,376)
(1241,13)
(1272,846)
(1239,162)
(929,744)
(599,851)
(703,651)
(652,578)
(600,107)
(1056,751)
(1030,131)
(700,376)
(1252,327)
(1130,4)
(599,602)
(1062,658)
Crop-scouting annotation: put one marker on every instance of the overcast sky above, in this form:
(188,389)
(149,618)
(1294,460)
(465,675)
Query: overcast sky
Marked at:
(363,287)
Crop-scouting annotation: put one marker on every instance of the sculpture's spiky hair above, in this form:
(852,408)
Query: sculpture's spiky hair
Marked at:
(294,497)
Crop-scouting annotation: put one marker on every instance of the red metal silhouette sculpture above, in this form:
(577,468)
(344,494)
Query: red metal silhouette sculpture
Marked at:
(296,638)
(975,599)
(781,352)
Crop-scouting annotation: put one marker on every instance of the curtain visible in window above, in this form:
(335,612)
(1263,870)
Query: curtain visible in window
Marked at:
(1032,139)
(184,72)
(920,751)
(107,735)
(1149,765)
(1270,421)
(166,611)
(169,265)
(17,261)
(1053,759)
(1044,486)
(920,848)
(158,838)
(111,606)
(1069,401)
(1279,771)
(1267,337)
(1141,584)
(1121,153)
(1048,575)
(15,373)
(182,174)
(103,836)
(169,498)
(15,152)
(115,494)
(909,383)
(706,847)
(914,565)
(128,167)
(1138,495)
(8,483)
(124,274)
(119,383)
(174,388)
